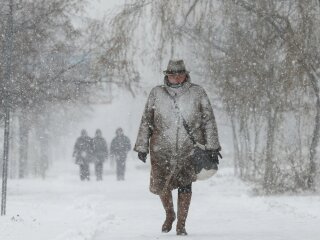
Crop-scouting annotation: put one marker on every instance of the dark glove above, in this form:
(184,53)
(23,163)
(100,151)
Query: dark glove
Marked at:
(142,156)
(215,155)
(217,151)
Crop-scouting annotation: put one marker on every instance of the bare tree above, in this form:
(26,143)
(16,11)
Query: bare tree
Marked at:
(256,54)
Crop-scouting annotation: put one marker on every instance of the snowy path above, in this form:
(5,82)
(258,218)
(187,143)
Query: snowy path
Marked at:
(63,208)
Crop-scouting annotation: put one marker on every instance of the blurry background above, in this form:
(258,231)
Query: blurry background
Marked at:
(68,65)
(85,65)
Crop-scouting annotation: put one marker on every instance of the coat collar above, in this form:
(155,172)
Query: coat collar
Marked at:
(176,92)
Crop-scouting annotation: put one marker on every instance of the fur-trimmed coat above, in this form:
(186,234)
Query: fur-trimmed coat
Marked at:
(162,132)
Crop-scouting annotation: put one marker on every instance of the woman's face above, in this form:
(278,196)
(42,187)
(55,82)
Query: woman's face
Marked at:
(177,78)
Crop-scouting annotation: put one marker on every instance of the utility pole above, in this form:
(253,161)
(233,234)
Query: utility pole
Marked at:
(8,48)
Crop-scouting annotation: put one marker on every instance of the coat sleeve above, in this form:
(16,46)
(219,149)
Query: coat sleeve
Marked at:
(209,123)
(146,125)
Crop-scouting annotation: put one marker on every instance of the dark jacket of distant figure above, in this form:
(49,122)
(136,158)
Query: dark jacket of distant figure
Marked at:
(170,145)
(83,150)
(100,149)
(120,146)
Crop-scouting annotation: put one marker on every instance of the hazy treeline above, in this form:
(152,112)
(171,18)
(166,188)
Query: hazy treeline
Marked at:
(262,59)
(41,49)
(51,53)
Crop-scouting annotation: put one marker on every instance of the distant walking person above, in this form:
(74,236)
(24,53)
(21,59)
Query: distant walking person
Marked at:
(100,153)
(120,146)
(82,152)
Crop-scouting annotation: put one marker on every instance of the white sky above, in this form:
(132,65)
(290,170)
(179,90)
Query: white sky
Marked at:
(97,8)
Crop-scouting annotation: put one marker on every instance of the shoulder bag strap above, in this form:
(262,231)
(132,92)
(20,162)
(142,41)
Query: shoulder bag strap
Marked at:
(185,124)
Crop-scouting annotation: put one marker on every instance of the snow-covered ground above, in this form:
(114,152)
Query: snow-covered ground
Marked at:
(63,208)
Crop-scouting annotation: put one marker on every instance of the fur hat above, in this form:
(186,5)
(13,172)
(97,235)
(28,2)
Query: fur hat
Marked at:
(176,67)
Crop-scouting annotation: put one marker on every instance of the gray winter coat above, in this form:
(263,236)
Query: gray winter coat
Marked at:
(100,149)
(170,146)
(83,150)
(120,146)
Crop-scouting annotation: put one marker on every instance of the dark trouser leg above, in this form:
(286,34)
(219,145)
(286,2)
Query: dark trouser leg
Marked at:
(86,171)
(118,163)
(98,170)
(167,203)
(184,199)
(121,167)
(81,172)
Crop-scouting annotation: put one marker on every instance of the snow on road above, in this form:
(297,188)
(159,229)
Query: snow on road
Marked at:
(63,208)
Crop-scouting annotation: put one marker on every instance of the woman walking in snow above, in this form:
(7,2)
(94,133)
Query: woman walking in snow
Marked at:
(170,145)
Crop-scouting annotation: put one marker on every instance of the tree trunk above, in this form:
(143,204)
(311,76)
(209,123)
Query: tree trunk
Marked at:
(242,148)
(269,163)
(313,148)
(5,161)
(248,149)
(256,145)
(8,49)
(236,155)
(43,139)
(23,144)
(316,132)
